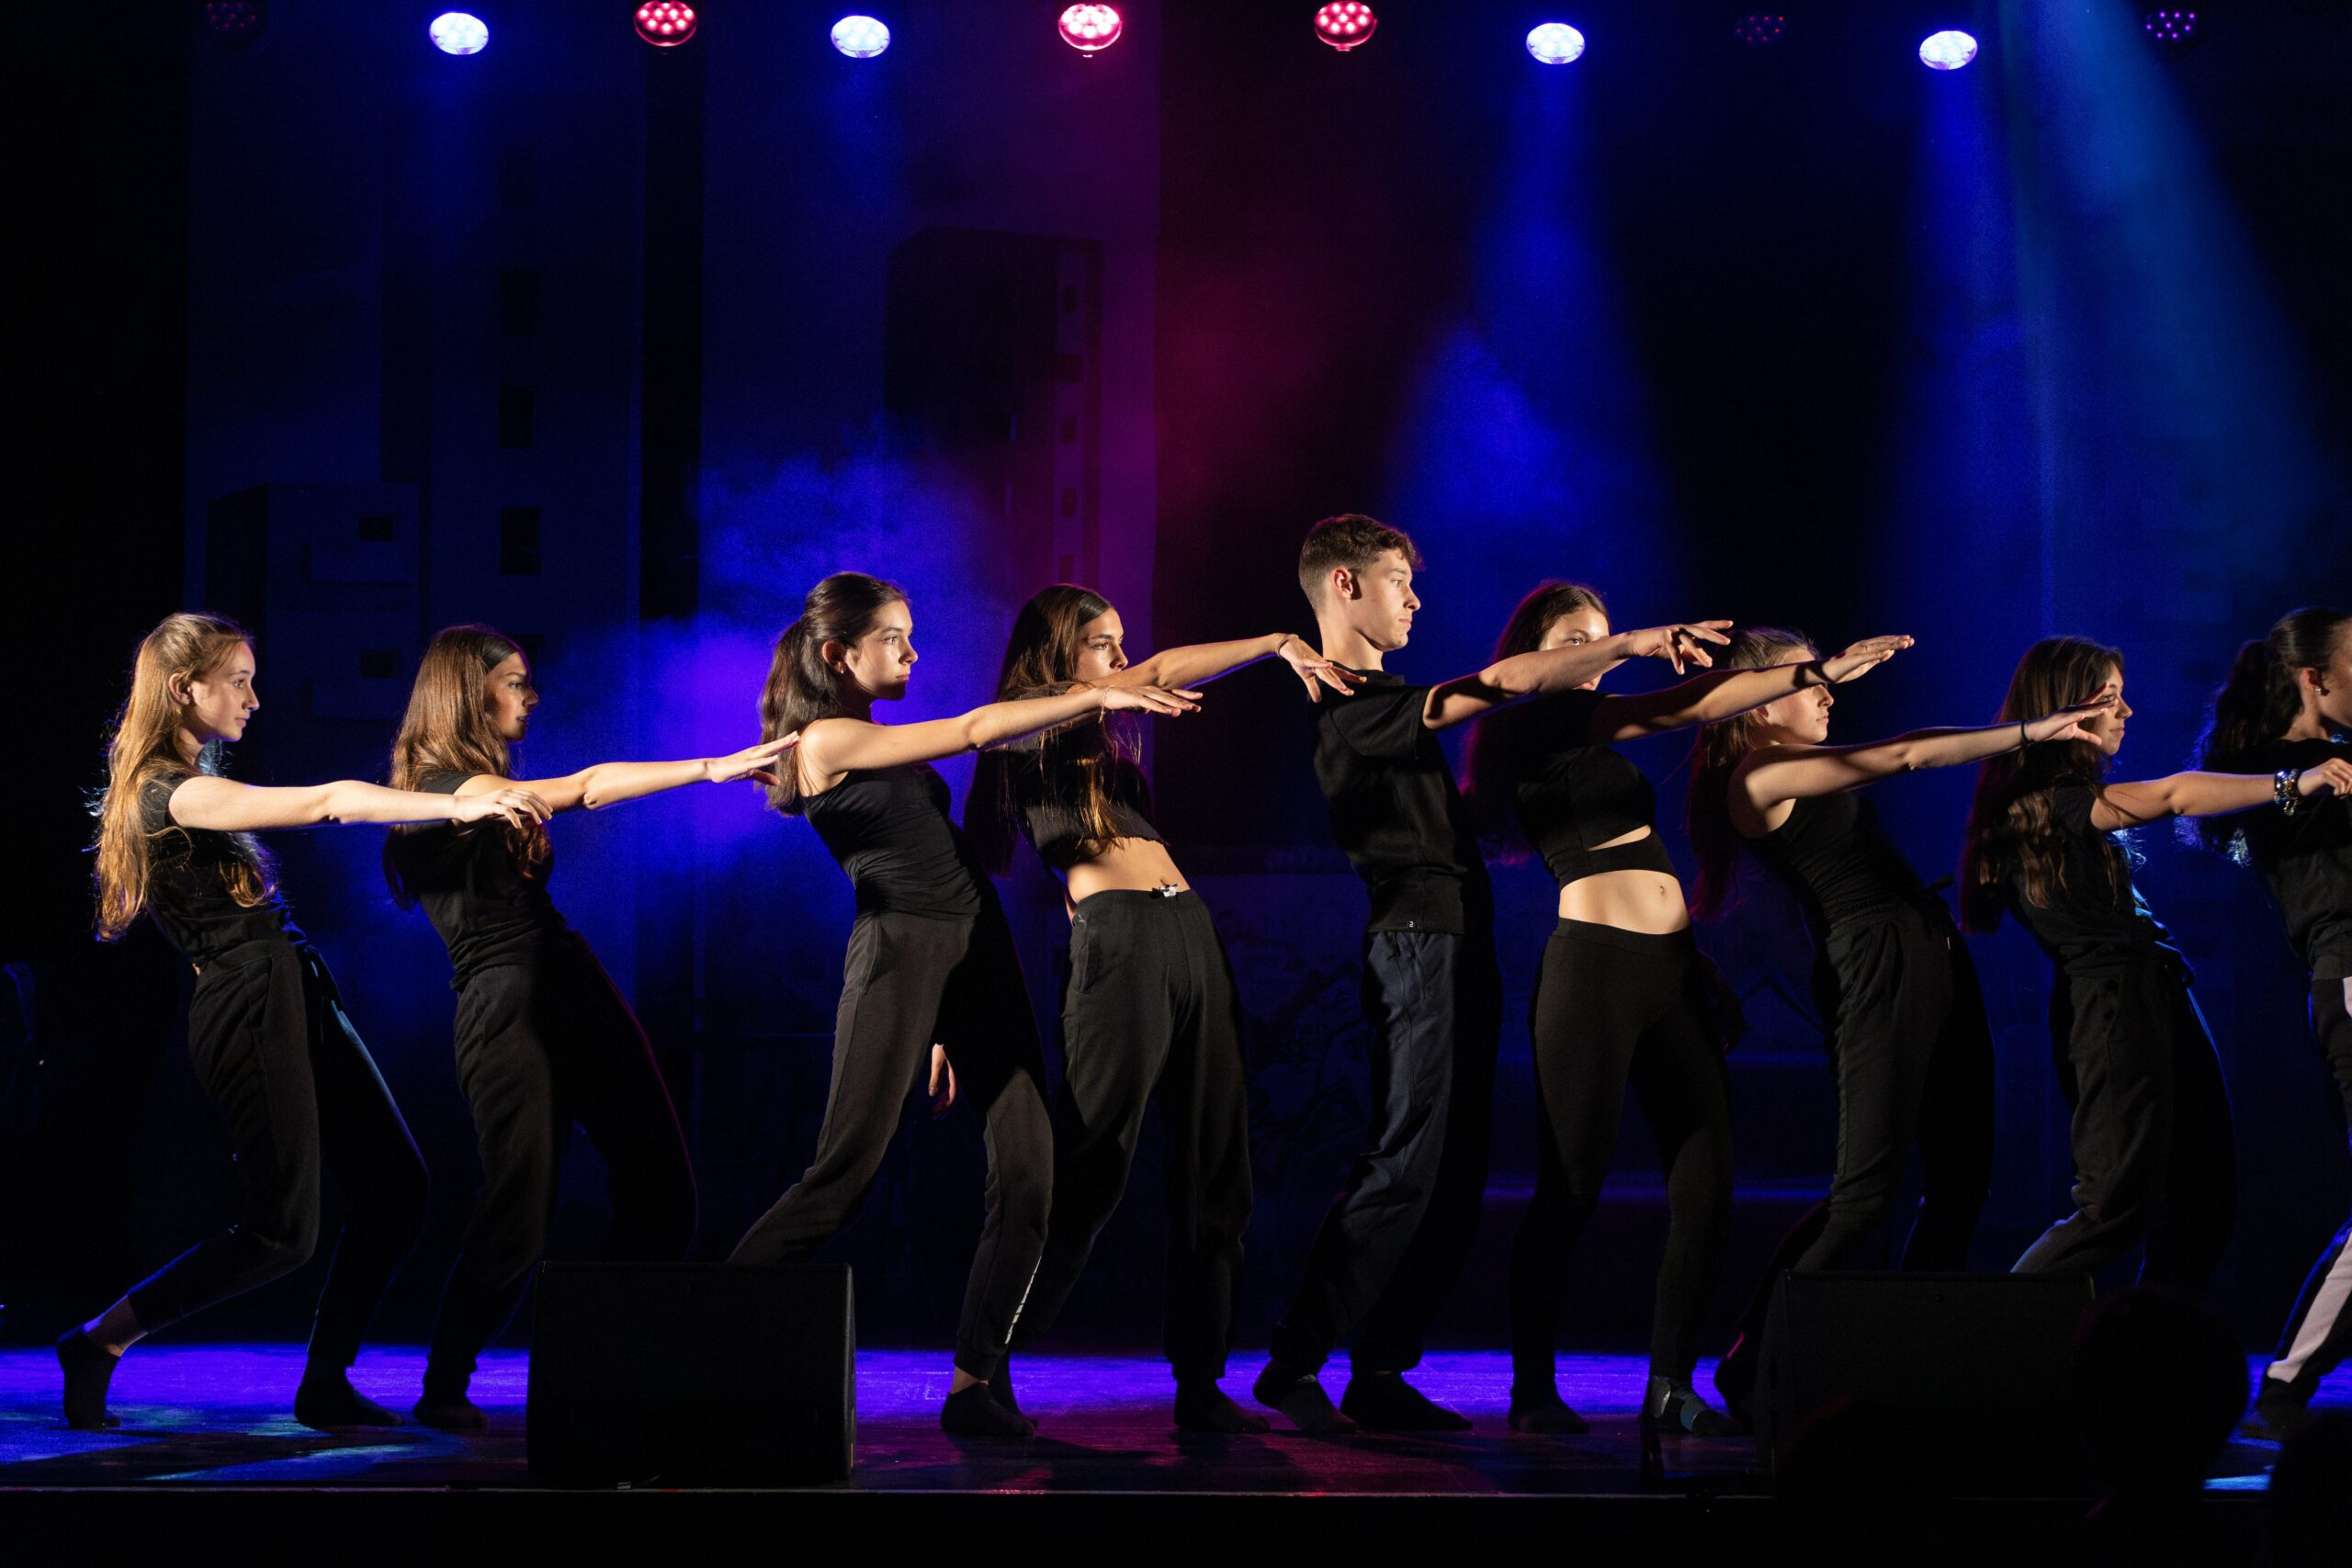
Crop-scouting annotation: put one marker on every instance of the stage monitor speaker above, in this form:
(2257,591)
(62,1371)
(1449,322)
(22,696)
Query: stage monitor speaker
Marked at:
(691,1375)
(1960,1378)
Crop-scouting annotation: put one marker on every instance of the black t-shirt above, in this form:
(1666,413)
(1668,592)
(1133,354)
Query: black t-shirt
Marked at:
(1574,795)
(489,907)
(188,873)
(2306,859)
(2097,921)
(1395,811)
(1838,862)
(1054,825)
(889,828)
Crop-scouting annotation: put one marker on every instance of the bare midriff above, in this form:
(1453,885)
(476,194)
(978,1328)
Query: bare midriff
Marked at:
(1649,902)
(1133,865)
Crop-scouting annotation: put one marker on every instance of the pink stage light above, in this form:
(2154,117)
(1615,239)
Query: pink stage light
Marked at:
(665,23)
(1090,29)
(1345,24)
(236,22)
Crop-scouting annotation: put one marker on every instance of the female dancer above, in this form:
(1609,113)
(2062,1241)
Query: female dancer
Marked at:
(266,1029)
(1905,1020)
(2155,1157)
(1622,995)
(544,1038)
(930,959)
(1150,1003)
(2286,707)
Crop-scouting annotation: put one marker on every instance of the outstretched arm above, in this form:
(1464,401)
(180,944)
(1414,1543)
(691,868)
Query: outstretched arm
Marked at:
(1771,775)
(1197,663)
(224,806)
(1724,694)
(841,745)
(2208,794)
(1551,669)
(609,783)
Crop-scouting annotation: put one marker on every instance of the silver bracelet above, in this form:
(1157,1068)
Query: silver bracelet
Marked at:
(2283,789)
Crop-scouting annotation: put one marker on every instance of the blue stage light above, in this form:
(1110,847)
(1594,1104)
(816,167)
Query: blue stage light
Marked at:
(1555,43)
(861,38)
(454,32)
(1947,50)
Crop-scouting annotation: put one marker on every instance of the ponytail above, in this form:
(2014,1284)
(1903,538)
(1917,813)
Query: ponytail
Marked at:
(2256,705)
(800,688)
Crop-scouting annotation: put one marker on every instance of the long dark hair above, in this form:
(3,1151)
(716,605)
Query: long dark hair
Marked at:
(2257,704)
(2009,824)
(1490,767)
(1715,753)
(801,688)
(1079,764)
(446,730)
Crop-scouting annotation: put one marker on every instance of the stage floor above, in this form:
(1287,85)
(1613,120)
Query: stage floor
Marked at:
(199,1416)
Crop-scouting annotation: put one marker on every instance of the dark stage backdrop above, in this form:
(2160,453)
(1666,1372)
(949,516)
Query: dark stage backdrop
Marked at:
(620,350)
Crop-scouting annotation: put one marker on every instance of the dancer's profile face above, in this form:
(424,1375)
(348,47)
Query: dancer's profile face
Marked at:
(883,657)
(1583,625)
(2332,683)
(217,704)
(1802,717)
(508,698)
(2106,726)
(1378,602)
(1102,649)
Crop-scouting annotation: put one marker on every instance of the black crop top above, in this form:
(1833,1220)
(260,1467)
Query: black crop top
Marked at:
(1838,862)
(1574,795)
(889,828)
(490,909)
(2306,860)
(1057,829)
(2097,921)
(188,882)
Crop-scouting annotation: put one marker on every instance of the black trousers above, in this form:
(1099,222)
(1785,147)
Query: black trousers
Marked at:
(1151,1008)
(543,1044)
(912,980)
(2155,1160)
(273,1048)
(1395,1238)
(1614,1008)
(2318,1337)
(1913,1055)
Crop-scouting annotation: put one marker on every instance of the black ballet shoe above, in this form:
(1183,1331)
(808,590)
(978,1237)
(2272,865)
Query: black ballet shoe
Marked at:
(1675,1409)
(448,1408)
(1385,1402)
(88,1367)
(1735,1378)
(1301,1399)
(1546,1412)
(1204,1407)
(973,1412)
(327,1403)
(2278,1413)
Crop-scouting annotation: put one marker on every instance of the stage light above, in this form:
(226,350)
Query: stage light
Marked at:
(1090,29)
(665,23)
(1555,43)
(2172,30)
(1759,28)
(1947,50)
(236,22)
(861,38)
(454,32)
(1345,24)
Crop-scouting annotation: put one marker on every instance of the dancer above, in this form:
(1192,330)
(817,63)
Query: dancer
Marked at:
(266,1029)
(1903,1019)
(1150,1006)
(931,958)
(2155,1157)
(1623,996)
(544,1038)
(1396,1238)
(2286,707)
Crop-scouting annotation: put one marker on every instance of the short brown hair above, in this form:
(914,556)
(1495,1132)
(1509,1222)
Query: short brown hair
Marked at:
(1352,540)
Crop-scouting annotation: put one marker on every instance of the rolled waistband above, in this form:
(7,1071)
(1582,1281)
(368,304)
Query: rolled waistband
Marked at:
(1133,897)
(1660,944)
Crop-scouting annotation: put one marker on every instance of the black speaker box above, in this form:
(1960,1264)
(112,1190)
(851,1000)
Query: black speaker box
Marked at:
(691,1375)
(1960,1380)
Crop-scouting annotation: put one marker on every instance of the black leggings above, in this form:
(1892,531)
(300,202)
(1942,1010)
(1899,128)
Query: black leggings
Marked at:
(273,1048)
(1613,1008)
(1150,1006)
(1913,1056)
(542,1044)
(2318,1335)
(2155,1159)
(912,980)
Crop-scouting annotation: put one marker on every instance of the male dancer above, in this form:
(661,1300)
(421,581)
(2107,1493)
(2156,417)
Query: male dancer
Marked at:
(1395,1239)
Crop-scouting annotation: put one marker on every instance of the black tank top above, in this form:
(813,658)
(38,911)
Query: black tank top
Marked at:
(2306,860)
(1838,862)
(889,828)
(1058,830)
(1573,794)
(188,882)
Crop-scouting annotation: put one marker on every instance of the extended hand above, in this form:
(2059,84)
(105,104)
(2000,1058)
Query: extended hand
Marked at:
(2066,724)
(1165,700)
(1316,671)
(751,762)
(2335,774)
(1679,643)
(1864,655)
(943,1072)
(520,808)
